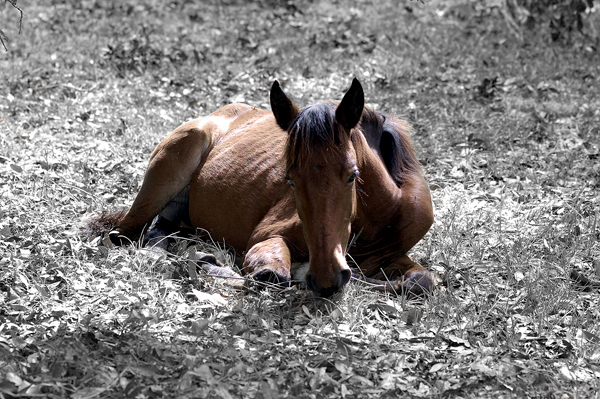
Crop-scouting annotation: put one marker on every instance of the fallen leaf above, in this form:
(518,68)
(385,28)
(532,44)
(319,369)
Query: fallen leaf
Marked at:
(146,370)
(437,367)
(215,299)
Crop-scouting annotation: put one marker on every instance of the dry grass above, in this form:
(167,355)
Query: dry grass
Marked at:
(89,90)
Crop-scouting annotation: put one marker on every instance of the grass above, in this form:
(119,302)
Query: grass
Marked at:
(89,90)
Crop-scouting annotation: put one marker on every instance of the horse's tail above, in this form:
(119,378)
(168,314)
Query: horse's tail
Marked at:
(101,224)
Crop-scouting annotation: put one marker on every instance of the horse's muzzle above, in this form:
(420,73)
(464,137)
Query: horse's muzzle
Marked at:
(341,279)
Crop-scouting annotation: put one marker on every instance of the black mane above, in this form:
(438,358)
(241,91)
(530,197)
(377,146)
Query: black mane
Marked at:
(391,136)
(316,129)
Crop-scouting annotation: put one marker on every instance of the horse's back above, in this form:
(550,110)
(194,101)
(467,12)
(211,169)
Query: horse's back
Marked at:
(241,178)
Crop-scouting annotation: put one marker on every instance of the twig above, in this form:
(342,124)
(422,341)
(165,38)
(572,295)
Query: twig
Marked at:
(3,37)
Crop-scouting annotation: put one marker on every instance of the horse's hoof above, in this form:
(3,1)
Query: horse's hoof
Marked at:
(159,243)
(270,276)
(212,270)
(418,284)
(116,239)
(204,258)
(159,233)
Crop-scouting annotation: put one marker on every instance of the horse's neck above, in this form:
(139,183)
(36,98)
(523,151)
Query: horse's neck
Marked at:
(378,195)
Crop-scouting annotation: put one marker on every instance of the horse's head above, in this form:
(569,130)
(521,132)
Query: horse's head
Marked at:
(321,167)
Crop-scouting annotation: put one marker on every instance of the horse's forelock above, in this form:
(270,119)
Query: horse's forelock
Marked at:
(314,129)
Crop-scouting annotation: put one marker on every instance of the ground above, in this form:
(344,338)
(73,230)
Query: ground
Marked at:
(506,123)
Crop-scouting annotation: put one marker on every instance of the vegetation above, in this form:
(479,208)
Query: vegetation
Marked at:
(506,122)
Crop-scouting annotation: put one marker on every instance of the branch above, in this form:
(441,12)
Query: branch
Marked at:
(3,37)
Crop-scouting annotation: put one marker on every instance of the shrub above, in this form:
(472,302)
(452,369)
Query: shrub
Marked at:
(561,17)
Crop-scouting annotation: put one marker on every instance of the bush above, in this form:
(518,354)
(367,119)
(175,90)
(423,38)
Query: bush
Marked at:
(561,17)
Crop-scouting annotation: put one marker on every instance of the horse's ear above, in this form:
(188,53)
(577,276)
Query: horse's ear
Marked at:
(283,108)
(350,110)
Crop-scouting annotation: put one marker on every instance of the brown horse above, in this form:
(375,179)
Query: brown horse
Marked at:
(292,186)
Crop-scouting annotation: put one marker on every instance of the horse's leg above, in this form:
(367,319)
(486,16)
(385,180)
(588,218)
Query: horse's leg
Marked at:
(403,276)
(395,271)
(168,221)
(158,233)
(269,261)
(170,171)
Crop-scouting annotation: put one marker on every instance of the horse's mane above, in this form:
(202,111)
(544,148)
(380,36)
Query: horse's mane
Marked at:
(396,147)
(315,129)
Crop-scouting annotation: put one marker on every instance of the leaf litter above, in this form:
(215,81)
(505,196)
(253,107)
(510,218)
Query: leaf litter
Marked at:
(511,161)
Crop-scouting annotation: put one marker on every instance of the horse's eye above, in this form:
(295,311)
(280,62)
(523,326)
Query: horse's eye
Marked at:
(289,181)
(352,177)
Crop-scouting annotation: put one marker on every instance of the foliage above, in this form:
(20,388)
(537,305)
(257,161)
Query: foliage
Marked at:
(563,21)
(562,17)
(508,135)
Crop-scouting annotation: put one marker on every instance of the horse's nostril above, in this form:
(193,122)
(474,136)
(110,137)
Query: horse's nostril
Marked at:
(342,279)
(345,277)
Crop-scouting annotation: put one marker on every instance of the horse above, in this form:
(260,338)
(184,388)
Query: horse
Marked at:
(293,185)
